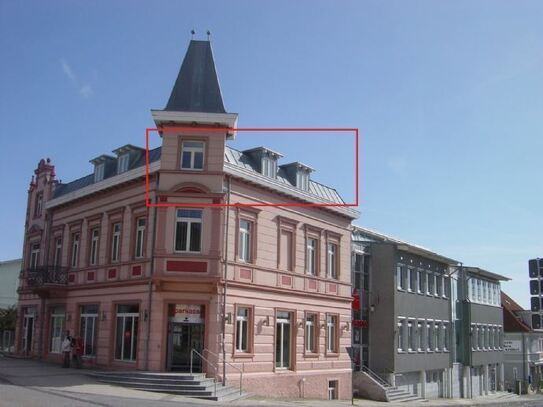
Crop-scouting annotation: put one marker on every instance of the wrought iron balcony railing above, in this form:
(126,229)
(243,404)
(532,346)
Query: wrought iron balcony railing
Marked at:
(46,275)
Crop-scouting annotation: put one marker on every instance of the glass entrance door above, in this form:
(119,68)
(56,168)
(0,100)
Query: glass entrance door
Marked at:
(28,331)
(182,339)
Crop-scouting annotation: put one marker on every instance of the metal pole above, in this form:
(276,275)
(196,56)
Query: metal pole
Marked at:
(191,353)
(227,215)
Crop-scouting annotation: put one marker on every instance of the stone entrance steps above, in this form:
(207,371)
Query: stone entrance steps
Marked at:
(183,384)
(401,396)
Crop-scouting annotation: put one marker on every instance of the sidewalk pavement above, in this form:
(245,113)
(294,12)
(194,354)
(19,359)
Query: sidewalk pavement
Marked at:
(72,383)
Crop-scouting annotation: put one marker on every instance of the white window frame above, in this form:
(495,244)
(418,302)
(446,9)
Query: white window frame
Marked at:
(332,253)
(302,180)
(139,245)
(401,335)
(93,317)
(242,328)
(446,336)
(193,150)
(430,336)
(133,346)
(245,240)
(56,330)
(75,250)
(310,334)
(411,335)
(95,238)
(411,282)
(99,172)
(116,242)
(122,163)
(269,167)
(281,324)
(189,220)
(437,335)
(312,256)
(34,255)
(331,333)
(420,274)
(58,252)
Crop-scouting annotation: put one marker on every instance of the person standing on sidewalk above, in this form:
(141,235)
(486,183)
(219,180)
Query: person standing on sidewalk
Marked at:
(67,349)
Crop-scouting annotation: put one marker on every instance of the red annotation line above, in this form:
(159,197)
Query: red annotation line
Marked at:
(149,204)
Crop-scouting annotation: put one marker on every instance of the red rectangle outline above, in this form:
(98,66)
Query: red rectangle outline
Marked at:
(253,129)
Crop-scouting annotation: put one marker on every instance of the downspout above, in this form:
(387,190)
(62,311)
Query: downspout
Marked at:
(150,285)
(225,276)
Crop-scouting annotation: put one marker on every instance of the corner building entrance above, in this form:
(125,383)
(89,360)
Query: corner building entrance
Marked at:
(185,333)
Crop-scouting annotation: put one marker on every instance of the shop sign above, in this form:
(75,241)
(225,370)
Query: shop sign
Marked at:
(190,313)
(510,345)
(360,323)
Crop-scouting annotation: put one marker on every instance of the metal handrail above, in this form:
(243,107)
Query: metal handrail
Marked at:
(192,352)
(231,365)
(375,376)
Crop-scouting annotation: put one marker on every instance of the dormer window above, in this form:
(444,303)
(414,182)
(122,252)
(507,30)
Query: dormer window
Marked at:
(269,167)
(298,174)
(192,155)
(122,163)
(99,172)
(302,180)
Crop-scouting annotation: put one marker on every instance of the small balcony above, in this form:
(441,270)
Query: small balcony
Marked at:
(45,276)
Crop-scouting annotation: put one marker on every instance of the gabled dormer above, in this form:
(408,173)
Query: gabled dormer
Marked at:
(264,160)
(104,167)
(127,155)
(298,174)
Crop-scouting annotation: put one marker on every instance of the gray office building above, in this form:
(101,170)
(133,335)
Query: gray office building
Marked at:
(403,342)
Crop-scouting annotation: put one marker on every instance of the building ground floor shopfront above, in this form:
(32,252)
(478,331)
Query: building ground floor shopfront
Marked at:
(285,345)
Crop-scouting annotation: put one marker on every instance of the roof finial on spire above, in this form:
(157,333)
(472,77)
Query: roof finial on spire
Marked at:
(192,32)
(208,34)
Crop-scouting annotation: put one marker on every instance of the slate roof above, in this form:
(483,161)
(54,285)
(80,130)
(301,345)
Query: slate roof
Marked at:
(197,86)
(231,156)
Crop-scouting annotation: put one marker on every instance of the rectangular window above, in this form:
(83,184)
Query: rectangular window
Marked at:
(126,332)
(332,390)
(491,336)
(445,336)
(479,291)
(58,252)
(95,236)
(421,278)
(473,292)
(285,250)
(474,340)
(140,237)
(420,334)
(401,277)
(34,256)
(431,283)
(331,333)
(310,333)
(302,180)
(430,336)
(39,204)
(192,155)
(115,242)
(401,335)
(88,315)
(99,172)
(481,337)
(122,163)
(312,256)
(439,285)
(58,315)
(447,287)
(245,240)
(332,260)
(75,250)
(282,340)
(411,337)
(269,167)
(437,336)
(242,329)
(412,275)
(188,230)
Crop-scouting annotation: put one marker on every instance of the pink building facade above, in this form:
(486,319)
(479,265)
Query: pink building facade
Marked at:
(266,289)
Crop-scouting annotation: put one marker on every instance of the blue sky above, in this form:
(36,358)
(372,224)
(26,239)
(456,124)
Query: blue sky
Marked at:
(447,96)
